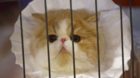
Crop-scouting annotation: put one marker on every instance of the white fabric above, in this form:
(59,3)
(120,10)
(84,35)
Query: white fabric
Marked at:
(109,21)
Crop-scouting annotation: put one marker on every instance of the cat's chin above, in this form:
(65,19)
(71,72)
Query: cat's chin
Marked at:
(65,66)
(68,70)
(63,51)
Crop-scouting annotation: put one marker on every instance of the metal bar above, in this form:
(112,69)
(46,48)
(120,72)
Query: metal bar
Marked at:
(22,40)
(98,48)
(122,40)
(137,65)
(48,50)
(138,70)
(72,31)
(132,40)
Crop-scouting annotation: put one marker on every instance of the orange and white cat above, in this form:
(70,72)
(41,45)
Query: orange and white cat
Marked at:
(60,42)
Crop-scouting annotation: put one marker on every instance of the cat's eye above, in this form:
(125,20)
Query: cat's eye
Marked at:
(52,38)
(76,38)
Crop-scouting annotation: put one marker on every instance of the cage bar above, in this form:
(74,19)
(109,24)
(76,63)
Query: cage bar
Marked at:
(132,40)
(98,46)
(48,50)
(122,41)
(22,40)
(72,31)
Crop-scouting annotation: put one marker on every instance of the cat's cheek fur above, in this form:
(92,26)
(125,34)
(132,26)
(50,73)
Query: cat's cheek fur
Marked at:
(54,49)
(68,46)
(41,58)
(79,54)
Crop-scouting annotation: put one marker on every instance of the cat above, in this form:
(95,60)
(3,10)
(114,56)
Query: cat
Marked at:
(60,42)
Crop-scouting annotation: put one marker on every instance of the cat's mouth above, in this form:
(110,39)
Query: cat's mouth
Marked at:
(63,57)
(63,50)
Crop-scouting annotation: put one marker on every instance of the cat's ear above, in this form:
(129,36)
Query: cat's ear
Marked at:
(87,15)
(91,18)
(38,17)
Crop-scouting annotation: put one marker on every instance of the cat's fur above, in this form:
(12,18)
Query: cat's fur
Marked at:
(59,23)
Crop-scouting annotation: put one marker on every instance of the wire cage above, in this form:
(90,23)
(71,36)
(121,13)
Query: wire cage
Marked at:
(134,68)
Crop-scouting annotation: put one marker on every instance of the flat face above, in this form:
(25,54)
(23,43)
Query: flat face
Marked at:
(60,41)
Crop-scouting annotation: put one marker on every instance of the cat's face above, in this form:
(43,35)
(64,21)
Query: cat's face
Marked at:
(60,40)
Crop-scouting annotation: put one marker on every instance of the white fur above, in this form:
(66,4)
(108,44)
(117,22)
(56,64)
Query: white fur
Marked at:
(62,28)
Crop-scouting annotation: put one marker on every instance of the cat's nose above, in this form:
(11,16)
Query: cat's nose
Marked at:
(63,40)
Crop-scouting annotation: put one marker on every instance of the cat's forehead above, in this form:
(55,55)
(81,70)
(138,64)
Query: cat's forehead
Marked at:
(61,22)
(59,15)
(62,27)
